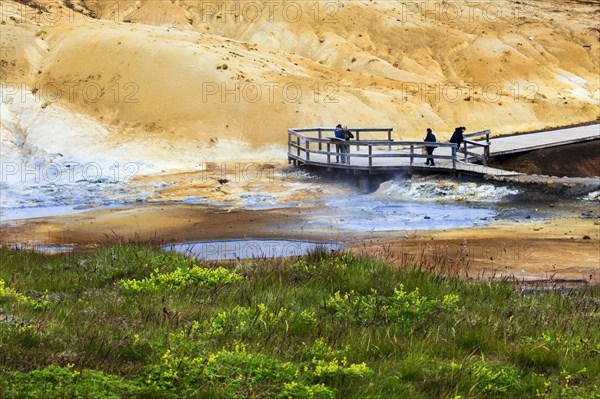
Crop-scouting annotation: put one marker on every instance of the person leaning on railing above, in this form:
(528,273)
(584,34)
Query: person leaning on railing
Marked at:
(347,135)
(458,135)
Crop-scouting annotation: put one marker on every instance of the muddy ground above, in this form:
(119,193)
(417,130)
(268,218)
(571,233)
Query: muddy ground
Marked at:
(565,247)
(575,160)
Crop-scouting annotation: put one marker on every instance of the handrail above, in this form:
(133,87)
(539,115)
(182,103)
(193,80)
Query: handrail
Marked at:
(362,129)
(475,143)
(296,132)
(320,130)
(481,133)
(377,142)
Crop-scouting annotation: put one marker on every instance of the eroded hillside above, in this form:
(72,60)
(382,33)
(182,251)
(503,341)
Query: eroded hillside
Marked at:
(176,81)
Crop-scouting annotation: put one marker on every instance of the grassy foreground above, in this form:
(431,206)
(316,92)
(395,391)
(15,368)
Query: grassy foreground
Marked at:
(134,322)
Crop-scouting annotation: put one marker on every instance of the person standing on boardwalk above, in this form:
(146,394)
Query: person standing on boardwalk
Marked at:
(430,138)
(339,148)
(347,135)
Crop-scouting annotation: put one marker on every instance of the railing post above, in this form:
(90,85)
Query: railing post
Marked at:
(347,150)
(389,139)
(357,139)
(328,153)
(298,146)
(486,149)
(465,150)
(454,157)
(412,153)
(289,143)
(370,156)
(320,137)
(307,150)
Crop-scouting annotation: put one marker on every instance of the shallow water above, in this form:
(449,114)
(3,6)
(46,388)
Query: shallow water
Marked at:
(9,214)
(249,249)
(363,213)
(47,249)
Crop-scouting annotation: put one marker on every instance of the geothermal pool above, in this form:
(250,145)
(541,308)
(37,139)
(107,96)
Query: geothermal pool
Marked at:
(250,249)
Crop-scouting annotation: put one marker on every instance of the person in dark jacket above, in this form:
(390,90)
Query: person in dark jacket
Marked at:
(347,135)
(430,138)
(458,136)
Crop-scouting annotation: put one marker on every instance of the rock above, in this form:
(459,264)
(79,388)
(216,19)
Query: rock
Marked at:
(587,238)
(8,319)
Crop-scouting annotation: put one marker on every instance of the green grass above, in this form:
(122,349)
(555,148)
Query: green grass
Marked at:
(135,322)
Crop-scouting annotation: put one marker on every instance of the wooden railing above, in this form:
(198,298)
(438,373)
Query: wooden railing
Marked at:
(470,144)
(304,142)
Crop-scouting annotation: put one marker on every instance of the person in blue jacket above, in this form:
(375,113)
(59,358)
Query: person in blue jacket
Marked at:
(339,131)
(339,148)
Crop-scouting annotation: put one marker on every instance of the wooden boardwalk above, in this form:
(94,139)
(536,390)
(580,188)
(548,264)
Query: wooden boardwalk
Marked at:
(318,148)
(519,143)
